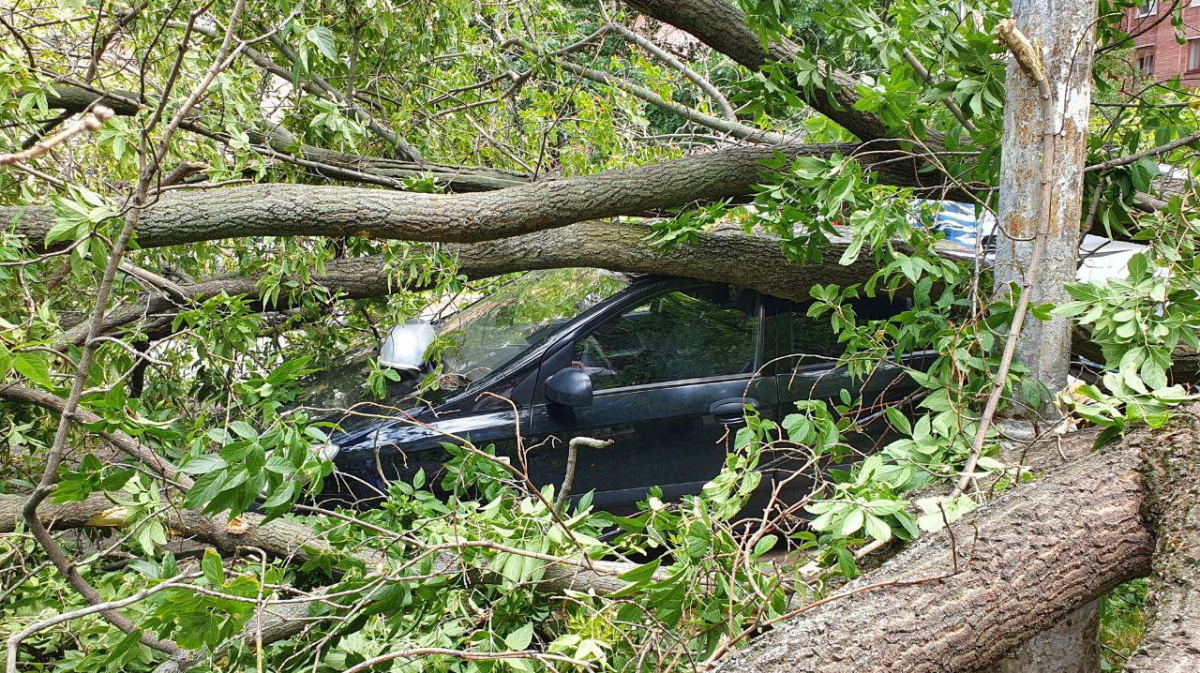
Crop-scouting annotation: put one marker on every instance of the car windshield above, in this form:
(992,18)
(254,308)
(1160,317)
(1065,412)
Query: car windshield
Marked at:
(500,327)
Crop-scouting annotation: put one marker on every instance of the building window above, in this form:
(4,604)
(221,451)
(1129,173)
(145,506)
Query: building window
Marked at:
(1193,55)
(1148,8)
(1145,60)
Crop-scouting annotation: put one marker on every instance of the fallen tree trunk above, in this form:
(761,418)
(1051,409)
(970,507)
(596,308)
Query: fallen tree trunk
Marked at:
(1016,568)
(1171,467)
(1019,565)
(616,246)
(613,245)
(178,218)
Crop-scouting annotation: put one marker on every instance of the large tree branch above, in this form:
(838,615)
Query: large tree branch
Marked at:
(720,25)
(613,245)
(1018,566)
(304,210)
(1171,469)
(281,538)
(1023,562)
(616,246)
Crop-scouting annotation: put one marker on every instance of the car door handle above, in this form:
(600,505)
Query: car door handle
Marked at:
(731,410)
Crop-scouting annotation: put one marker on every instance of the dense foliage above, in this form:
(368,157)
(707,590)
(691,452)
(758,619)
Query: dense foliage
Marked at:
(334,92)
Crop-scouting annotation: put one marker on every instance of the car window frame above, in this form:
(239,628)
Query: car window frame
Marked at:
(651,292)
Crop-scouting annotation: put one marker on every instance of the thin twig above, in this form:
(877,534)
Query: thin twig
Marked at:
(89,123)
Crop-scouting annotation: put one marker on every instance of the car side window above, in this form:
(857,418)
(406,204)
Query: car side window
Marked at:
(789,330)
(682,335)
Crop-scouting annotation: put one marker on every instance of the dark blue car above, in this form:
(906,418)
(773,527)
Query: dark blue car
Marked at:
(663,367)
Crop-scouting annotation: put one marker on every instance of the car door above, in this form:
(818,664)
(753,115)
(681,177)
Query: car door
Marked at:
(672,369)
(806,351)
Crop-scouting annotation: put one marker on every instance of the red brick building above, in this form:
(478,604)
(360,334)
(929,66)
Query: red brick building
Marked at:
(1157,52)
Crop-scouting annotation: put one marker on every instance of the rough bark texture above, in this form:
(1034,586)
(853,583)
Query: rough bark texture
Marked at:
(1043,150)
(1025,561)
(306,210)
(617,246)
(1071,646)
(1065,32)
(1171,470)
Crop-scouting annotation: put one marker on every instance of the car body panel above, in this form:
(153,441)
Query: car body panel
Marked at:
(673,434)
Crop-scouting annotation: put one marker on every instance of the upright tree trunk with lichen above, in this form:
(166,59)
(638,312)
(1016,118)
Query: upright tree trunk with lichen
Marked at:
(1062,33)
(1041,186)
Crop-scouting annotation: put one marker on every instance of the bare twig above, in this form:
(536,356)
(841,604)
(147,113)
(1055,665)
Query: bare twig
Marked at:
(662,55)
(89,123)
(950,105)
(572,458)
(15,640)
(468,656)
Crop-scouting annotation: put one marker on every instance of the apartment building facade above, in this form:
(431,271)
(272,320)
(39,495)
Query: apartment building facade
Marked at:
(1157,51)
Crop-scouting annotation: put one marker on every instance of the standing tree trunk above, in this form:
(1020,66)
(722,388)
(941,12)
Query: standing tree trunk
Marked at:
(1041,186)
(1041,173)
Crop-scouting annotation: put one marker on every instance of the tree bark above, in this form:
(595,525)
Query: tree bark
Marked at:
(722,26)
(1043,152)
(179,218)
(1171,468)
(1041,173)
(617,246)
(281,538)
(1023,563)
(1071,646)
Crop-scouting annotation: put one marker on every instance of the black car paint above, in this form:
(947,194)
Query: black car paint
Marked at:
(673,435)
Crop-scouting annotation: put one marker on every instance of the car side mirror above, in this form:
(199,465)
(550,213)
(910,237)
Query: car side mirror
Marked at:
(570,387)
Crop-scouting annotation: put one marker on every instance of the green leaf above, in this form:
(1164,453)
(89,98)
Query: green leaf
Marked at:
(853,522)
(213,567)
(34,367)
(877,529)
(204,464)
(243,429)
(641,573)
(766,544)
(521,638)
(898,420)
(322,37)
(115,481)
(1138,265)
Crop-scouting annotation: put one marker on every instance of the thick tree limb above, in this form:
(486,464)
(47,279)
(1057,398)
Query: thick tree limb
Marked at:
(281,538)
(616,246)
(1023,562)
(304,210)
(1171,468)
(722,26)
(122,441)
